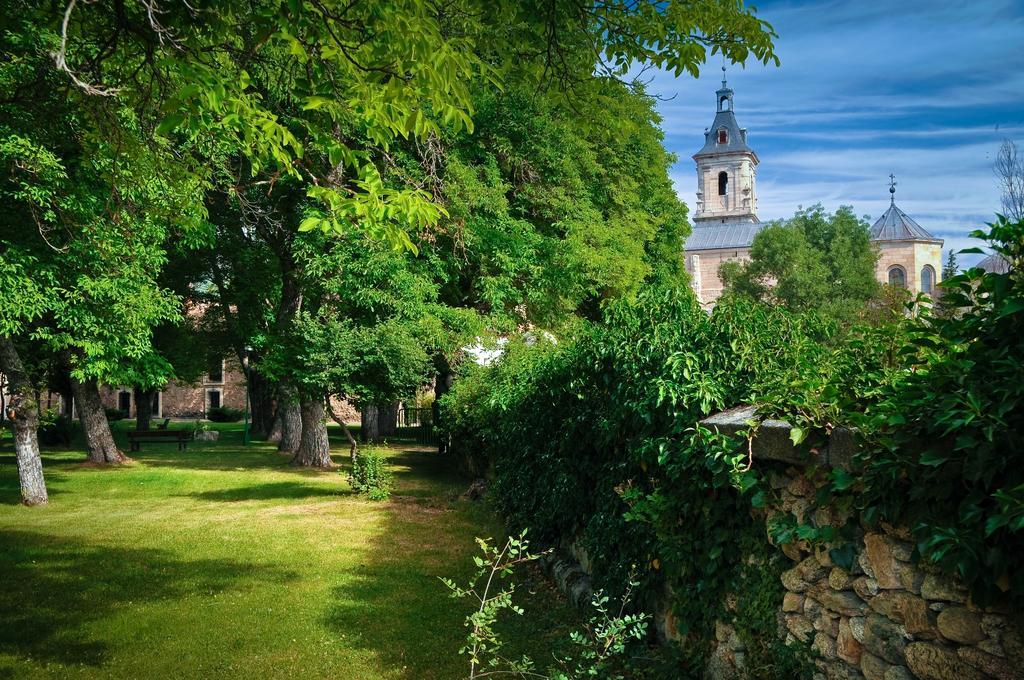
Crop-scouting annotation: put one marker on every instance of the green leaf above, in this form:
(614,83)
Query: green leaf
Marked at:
(169,123)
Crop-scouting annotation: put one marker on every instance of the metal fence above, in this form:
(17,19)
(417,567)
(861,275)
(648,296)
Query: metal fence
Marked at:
(417,424)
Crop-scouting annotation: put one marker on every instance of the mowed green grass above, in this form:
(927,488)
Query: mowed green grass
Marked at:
(226,562)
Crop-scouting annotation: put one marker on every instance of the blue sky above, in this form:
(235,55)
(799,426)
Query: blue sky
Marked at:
(926,90)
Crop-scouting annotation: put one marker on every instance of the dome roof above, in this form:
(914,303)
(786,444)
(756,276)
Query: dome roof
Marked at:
(994,264)
(896,225)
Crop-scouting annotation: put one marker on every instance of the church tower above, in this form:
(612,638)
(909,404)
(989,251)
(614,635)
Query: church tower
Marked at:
(726,169)
(725,221)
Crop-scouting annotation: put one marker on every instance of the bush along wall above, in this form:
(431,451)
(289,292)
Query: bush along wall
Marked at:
(596,444)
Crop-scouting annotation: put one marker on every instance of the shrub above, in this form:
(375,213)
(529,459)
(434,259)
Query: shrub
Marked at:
(223,414)
(116,414)
(370,476)
(55,429)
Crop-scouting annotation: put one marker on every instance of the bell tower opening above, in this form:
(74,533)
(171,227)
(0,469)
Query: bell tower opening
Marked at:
(723,183)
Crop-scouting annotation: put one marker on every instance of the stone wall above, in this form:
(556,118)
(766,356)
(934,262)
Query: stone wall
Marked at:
(886,618)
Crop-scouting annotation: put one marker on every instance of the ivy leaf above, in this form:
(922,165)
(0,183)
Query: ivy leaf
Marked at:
(797,435)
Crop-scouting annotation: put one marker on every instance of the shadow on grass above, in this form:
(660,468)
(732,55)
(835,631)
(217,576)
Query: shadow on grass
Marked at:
(53,588)
(394,602)
(271,491)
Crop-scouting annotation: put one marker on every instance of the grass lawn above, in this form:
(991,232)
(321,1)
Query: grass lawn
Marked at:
(225,562)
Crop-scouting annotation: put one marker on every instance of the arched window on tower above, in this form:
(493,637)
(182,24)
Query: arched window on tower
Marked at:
(927,279)
(723,136)
(897,277)
(723,183)
(724,104)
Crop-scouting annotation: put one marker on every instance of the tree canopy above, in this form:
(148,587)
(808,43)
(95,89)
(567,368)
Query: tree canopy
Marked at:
(815,260)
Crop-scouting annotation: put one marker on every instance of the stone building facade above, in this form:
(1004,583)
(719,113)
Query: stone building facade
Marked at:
(222,385)
(909,257)
(726,222)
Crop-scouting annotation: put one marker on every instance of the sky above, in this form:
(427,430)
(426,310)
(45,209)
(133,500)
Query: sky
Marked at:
(924,90)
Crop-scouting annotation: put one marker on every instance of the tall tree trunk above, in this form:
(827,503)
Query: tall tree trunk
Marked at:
(23,412)
(314,449)
(291,421)
(369,423)
(261,403)
(353,450)
(102,448)
(274,435)
(143,408)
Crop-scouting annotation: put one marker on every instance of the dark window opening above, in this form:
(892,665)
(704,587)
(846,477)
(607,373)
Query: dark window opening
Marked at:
(723,183)
(723,136)
(216,371)
(124,401)
(214,398)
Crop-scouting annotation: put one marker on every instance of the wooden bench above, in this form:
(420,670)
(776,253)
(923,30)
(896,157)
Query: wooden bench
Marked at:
(180,436)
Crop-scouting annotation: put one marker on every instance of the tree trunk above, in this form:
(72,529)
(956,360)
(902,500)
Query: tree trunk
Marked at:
(261,403)
(314,449)
(102,448)
(387,414)
(274,435)
(23,412)
(143,408)
(291,422)
(442,385)
(369,424)
(353,450)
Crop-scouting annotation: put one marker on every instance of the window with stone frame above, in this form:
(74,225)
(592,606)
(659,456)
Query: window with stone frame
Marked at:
(897,277)
(212,399)
(723,136)
(723,183)
(927,279)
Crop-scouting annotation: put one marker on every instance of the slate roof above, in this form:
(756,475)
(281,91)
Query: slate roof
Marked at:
(729,235)
(896,225)
(724,118)
(995,264)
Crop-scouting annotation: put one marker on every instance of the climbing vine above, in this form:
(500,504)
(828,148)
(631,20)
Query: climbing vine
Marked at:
(596,437)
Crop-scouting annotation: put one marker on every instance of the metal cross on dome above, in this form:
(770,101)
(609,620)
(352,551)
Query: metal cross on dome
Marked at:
(892,188)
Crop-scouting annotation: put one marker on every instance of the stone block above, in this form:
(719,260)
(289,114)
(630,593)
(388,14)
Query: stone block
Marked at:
(872,667)
(845,602)
(865,586)
(940,587)
(905,608)
(847,647)
(885,639)
(812,608)
(858,626)
(898,673)
(799,626)
(932,661)
(839,579)
(988,664)
(960,625)
(879,551)
(792,602)
(794,581)
(825,645)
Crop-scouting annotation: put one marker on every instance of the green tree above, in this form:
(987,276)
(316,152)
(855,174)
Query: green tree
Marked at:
(815,260)
(951,268)
(91,201)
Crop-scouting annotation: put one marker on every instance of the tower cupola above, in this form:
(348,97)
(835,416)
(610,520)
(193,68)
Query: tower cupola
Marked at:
(726,168)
